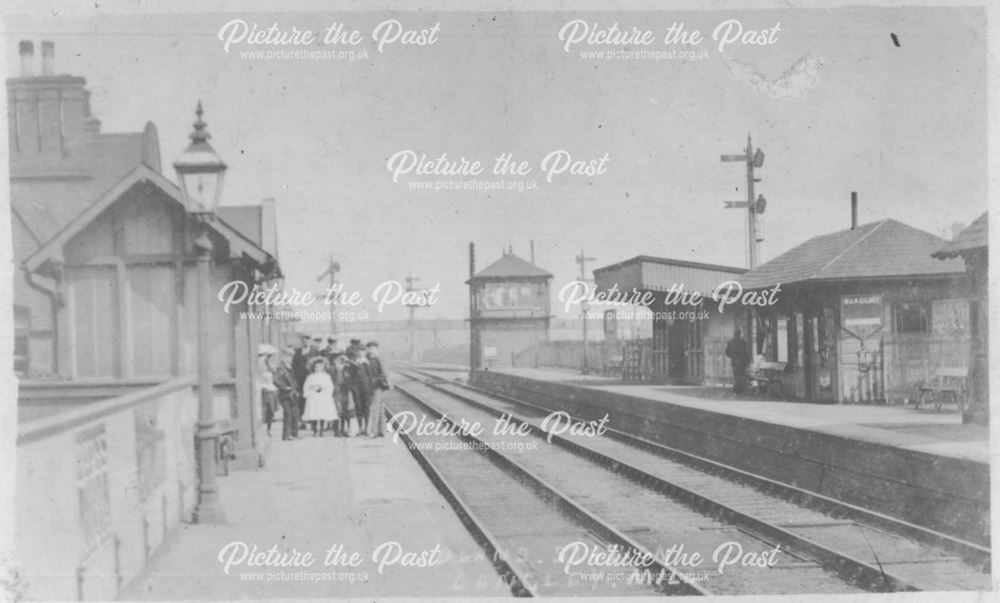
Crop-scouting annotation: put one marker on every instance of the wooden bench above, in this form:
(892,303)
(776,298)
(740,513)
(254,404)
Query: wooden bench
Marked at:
(766,375)
(947,384)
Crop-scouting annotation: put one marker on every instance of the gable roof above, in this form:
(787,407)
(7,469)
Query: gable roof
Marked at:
(245,218)
(239,243)
(882,249)
(511,266)
(46,199)
(52,200)
(975,236)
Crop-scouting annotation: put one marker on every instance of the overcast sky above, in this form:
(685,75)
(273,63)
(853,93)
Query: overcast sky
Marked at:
(904,125)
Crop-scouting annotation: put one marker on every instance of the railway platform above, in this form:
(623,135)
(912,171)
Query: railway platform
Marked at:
(356,495)
(920,466)
(925,430)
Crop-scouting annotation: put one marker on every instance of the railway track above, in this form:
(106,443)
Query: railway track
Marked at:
(974,554)
(824,546)
(536,519)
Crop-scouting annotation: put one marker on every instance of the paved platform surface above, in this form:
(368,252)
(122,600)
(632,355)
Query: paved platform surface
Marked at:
(315,493)
(940,433)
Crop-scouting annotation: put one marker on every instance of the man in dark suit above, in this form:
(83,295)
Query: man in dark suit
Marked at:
(738,351)
(329,351)
(304,356)
(300,367)
(288,394)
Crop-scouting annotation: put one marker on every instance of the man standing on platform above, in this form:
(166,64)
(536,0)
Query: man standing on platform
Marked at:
(379,383)
(330,353)
(330,350)
(738,351)
(355,380)
(288,393)
(299,363)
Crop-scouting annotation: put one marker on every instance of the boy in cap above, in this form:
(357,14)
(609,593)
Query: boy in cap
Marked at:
(267,361)
(356,382)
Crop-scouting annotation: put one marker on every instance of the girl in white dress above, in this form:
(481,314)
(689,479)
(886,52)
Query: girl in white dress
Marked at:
(318,391)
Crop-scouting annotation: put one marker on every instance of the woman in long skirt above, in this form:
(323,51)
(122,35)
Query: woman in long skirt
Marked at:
(318,391)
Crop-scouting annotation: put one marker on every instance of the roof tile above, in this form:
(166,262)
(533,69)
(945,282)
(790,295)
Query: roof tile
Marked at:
(510,266)
(887,248)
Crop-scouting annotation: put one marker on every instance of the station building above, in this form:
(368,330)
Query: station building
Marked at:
(104,294)
(864,314)
(510,310)
(688,342)
(972,245)
(106,303)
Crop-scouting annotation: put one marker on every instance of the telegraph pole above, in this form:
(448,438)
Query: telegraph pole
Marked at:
(474,350)
(582,260)
(410,280)
(753,159)
(331,271)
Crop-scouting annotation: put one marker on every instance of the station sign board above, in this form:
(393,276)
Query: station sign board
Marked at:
(861,315)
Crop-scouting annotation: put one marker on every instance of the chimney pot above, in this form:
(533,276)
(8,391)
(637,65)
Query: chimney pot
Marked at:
(48,57)
(27,50)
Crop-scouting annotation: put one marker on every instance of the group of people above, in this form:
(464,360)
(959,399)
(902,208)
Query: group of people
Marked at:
(320,386)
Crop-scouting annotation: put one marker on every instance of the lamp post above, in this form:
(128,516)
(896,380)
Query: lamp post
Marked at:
(200,172)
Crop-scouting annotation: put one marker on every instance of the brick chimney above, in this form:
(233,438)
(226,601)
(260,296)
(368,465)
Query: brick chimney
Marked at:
(27,50)
(47,112)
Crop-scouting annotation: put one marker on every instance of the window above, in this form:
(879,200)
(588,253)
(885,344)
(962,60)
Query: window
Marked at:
(911,317)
